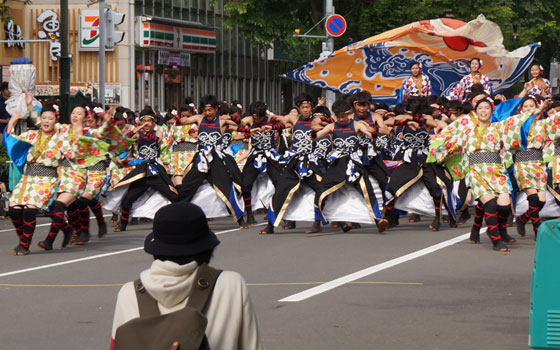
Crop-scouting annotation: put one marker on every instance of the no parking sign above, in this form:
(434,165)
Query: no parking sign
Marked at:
(335,25)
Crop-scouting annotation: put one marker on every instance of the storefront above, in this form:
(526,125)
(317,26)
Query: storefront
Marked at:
(83,45)
(163,59)
(13,30)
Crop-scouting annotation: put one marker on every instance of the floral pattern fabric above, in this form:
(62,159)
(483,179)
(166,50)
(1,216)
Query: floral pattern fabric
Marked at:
(465,136)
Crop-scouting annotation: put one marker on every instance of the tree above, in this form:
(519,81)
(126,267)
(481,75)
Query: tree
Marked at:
(265,21)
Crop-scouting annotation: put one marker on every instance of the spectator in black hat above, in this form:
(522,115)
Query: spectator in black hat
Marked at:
(179,244)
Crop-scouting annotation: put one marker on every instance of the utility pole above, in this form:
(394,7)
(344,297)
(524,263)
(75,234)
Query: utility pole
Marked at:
(64,87)
(102,42)
(328,48)
(327,45)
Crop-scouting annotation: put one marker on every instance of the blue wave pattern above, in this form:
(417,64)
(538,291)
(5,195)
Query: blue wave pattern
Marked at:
(378,61)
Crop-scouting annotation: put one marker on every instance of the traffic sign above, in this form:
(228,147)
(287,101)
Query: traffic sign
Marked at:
(335,25)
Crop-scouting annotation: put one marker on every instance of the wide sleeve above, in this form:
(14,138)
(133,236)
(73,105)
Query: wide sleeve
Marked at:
(429,85)
(447,142)
(101,131)
(35,117)
(487,85)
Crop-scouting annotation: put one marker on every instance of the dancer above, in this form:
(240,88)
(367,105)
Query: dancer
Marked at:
(464,87)
(149,173)
(37,186)
(97,124)
(301,167)
(415,134)
(208,163)
(537,85)
(262,158)
(480,143)
(530,167)
(346,165)
(182,141)
(417,84)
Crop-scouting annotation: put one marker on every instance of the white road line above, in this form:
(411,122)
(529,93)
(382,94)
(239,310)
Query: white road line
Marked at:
(13,229)
(306,294)
(90,257)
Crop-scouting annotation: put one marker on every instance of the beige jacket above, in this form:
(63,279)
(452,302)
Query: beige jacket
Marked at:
(232,323)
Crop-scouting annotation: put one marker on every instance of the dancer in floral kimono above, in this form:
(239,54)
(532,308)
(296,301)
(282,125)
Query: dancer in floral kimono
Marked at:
(43,153)
(182,143)
(478,143)
(530,165)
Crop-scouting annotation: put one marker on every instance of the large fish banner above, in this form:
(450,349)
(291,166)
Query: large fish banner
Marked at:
(443,46)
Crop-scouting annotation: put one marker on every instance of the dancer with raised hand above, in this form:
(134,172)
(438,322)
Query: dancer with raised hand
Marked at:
(302,166)
(149,173)
(209,161)
(262,157)
(44,153)
(479,143)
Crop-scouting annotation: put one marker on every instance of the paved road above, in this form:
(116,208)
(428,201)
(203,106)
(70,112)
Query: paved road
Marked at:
(450,296)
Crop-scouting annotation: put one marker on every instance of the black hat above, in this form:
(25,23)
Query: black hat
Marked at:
(180,229)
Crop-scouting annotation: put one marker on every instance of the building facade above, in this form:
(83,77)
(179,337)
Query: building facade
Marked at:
(172,49)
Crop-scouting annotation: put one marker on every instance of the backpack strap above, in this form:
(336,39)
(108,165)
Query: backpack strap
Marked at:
(203,286)
(147,305)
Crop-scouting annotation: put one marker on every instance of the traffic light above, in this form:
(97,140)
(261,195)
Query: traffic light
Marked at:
(113,36)
(297,31)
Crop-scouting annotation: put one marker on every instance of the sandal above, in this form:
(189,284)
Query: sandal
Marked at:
(382,225)
(269,229)
(21,250)
(289,225)
(315,228)
(413,218)
(465,216)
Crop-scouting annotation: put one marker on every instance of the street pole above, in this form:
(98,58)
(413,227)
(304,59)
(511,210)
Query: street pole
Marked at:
(131,53)
(64,87)
(328,48)
(102,40)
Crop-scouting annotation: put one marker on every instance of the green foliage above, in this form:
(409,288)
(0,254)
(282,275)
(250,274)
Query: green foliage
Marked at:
(265,21)
(5,10)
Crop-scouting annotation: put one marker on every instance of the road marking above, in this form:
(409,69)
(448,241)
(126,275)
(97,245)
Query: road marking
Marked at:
(306,294)
(90,257)
(249,284)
